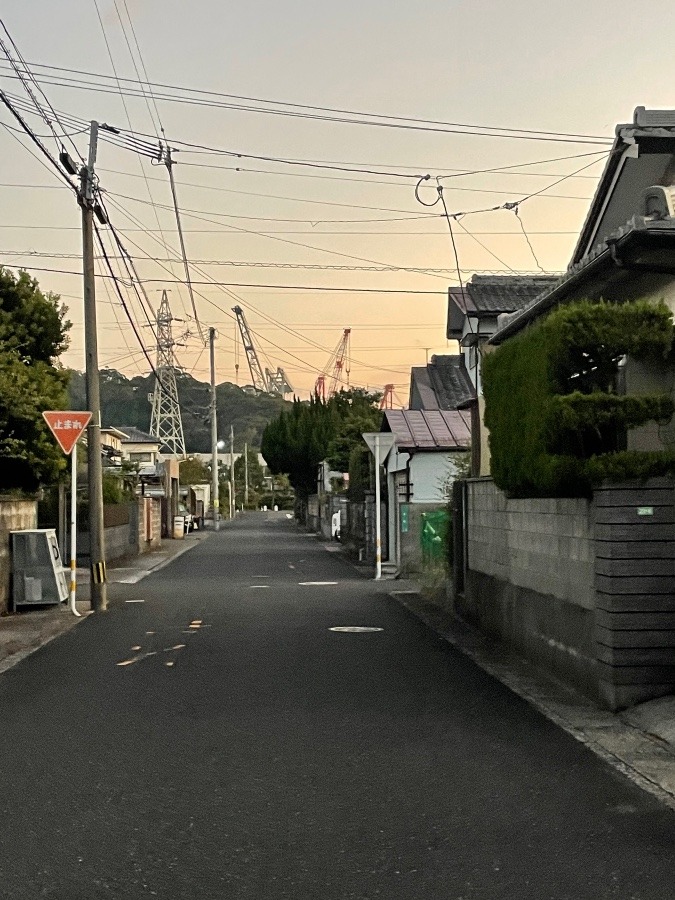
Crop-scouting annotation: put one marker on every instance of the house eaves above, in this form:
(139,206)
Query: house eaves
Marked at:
(642,245)
(643,154)
(428,430)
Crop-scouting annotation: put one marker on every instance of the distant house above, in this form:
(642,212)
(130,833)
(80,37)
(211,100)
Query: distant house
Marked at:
(443,384)
(139,447)
(111,446)
(428,450)
(474,309)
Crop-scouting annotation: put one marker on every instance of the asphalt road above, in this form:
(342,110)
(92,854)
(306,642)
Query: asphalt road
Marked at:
(245,750)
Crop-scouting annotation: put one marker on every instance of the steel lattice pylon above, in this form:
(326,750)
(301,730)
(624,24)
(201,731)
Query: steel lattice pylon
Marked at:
(166,424)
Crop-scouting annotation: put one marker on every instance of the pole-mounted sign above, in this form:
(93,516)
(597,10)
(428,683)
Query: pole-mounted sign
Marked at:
(67,427)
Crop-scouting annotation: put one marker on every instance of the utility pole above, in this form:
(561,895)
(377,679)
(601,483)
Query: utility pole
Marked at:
(233,499)
(215,502)
(246,474)
(99,593)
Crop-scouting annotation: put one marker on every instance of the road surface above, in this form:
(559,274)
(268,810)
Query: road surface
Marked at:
(214,738)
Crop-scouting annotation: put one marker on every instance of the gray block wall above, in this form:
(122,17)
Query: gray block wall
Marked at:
(586,590)
(529,572)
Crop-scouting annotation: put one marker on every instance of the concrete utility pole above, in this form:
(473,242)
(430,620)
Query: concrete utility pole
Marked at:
(215,501)
(99,592)
(233,499)
(245,474)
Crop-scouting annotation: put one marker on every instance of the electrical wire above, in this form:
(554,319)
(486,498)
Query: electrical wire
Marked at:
(330,114)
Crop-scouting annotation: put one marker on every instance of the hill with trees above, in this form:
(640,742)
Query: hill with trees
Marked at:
(124,401)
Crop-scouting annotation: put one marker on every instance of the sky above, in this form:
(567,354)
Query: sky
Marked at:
(565,67)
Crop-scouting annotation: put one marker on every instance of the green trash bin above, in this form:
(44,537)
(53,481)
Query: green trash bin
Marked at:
(433,535)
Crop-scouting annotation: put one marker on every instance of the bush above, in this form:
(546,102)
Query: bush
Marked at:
(556,427)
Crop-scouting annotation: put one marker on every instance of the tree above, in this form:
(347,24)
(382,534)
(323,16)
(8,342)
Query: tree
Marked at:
(193,471)
(33,333)
(297,441)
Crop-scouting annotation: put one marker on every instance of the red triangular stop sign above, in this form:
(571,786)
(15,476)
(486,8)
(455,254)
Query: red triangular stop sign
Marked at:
(66,426)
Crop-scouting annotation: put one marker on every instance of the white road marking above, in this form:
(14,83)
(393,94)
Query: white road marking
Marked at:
(258,587)
(317,582)
(134,601)
(354,629)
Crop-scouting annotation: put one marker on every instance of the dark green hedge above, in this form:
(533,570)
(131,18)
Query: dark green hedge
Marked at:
(556,425)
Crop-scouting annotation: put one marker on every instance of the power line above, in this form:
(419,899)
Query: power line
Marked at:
(40,254)
(322,113)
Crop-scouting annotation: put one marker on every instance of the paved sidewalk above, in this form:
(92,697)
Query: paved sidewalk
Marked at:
(25,631)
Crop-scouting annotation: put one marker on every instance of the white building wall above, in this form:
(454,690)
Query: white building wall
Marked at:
(429,473)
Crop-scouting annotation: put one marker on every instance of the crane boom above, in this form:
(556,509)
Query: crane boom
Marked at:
(338,363)
(341,357)
(257,375)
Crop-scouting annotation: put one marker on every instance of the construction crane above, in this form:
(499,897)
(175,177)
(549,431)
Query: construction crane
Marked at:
(338,363)
(267,381)
(387,401)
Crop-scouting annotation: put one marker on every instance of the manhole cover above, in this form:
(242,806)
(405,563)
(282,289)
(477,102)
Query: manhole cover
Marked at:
(357,629)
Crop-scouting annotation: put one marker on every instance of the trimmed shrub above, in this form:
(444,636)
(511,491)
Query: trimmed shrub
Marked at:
(557,427)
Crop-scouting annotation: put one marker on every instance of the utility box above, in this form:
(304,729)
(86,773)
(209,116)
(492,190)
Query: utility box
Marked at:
(179,527)
(37,568)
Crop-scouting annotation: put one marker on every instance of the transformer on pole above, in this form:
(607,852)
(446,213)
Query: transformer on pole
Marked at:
(166,423)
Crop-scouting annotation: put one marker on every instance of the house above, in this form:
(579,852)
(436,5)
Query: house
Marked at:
(626,251)
(586,587)
(111,446)
(443,384)
(431,447)
(474,309)
(139,447)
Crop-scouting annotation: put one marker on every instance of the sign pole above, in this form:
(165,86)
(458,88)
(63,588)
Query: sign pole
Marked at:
(73,531)
(379,444)
(378,524)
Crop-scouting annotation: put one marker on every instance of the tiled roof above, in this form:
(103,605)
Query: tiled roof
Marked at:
(443,384)
(136,436)
(418,429)
(495,294)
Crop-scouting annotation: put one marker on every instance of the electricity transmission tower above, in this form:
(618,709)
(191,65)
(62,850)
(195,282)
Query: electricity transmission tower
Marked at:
(166,424)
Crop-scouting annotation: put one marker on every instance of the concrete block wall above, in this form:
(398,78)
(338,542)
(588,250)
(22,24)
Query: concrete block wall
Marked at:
(15,515)
(586,590)
(529,572)
(543,545)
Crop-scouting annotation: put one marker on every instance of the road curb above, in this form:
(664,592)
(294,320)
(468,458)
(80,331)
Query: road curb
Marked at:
(641,757)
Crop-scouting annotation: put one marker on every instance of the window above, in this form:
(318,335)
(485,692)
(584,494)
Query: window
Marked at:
(141,457)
